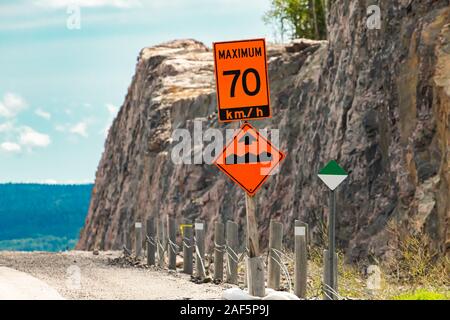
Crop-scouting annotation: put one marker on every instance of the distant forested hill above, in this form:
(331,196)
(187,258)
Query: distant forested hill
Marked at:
(42,217)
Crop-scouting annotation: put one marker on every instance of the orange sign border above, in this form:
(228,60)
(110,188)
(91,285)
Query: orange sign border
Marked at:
(267,81)
(266,176)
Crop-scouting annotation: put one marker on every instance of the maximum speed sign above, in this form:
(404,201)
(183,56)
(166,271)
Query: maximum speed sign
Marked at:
(241,80)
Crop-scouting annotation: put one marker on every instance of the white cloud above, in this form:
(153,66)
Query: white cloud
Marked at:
(53,181)
(221,4)
(49,181)
(11,105)
(112,110)
(31,138)
(88,3)
(43,114)
(31,23)
(80,128)
(10,147)
(6,127)
(19,137)
(60,128)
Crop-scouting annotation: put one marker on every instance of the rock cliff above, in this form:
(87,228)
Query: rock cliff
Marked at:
(377,101)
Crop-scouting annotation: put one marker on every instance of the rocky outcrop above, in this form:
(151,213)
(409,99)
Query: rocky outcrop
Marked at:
(375,100)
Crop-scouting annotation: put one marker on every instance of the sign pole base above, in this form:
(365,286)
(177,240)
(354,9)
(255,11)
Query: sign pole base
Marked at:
(255,264)
(255,274)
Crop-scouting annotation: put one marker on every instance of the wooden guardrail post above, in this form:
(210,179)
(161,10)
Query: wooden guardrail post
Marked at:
(126,242)
(164,234)
(161,241)
(245,253)
(138,238)
(275,241)
(200,249)
(150,240)
(301,258)
(172,247)
(130,240)
(232,257)
(187,236)
(255,263)
(219,249)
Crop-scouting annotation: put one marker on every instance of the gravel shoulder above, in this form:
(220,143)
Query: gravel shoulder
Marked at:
(97,279)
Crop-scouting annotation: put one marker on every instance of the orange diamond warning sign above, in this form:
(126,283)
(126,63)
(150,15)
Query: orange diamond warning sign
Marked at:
(249,159)
(241,80)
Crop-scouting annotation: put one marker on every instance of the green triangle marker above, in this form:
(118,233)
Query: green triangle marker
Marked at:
(332,174)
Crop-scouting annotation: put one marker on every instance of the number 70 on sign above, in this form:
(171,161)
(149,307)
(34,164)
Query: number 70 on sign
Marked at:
(241,80)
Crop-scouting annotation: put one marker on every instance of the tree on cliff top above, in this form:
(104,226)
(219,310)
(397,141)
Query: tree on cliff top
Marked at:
(298,18)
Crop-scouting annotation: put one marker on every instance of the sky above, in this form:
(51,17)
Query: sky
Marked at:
(65,66)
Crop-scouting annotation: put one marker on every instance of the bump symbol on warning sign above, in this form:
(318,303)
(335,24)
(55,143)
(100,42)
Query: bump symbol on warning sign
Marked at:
(248,159)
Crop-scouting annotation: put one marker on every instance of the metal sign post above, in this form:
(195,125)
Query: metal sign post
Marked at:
(332,274)
(242,89)
(332,175)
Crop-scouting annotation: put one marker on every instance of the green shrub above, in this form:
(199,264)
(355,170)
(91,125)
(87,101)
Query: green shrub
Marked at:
(298,18)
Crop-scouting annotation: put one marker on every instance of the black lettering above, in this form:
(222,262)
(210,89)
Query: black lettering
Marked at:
(240,53)
(244,82)
(236,74)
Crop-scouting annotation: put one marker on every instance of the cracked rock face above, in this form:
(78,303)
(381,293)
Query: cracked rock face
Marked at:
(377,101)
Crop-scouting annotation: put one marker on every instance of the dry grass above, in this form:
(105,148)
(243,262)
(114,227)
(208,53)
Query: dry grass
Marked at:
(415,274)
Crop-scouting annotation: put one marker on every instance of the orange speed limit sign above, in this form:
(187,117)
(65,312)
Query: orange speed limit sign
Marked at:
(241,80)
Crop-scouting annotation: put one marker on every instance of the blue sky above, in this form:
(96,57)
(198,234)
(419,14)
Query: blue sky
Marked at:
(60,88)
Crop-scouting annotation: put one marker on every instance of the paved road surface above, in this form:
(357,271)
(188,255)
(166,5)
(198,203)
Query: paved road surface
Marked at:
(17,285)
